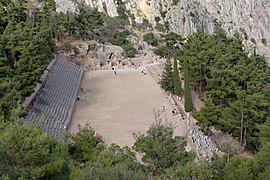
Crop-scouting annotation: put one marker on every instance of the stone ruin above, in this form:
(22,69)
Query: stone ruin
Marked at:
(110,55)
(52,106)
(201,143)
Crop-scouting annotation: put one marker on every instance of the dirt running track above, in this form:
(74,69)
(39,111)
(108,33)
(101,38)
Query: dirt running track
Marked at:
(117,106)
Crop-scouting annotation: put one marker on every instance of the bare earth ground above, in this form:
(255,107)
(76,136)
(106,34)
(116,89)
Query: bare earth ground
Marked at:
(117,106)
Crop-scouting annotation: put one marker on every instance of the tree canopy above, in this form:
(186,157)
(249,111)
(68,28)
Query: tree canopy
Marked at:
(187,93)
(233,85)
(160,148)
(176,78)
(25,152)
(167,78)
(26,48)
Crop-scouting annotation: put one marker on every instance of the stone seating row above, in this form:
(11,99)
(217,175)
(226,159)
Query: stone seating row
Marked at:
(53,106)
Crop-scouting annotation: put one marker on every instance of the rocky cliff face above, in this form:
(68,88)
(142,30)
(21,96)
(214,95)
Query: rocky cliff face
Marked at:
(251,18)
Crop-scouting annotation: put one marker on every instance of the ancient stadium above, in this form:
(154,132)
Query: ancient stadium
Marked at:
(118,100)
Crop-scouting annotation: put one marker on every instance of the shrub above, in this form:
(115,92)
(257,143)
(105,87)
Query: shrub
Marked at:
(67,47)
(157,19)
(253,40)
(150,39)
(160,27)
(129,50)
(167,25)
(140,47)
(175,2)
(163,14)
(264,41)
(163,51)
(118,41)
(125,33)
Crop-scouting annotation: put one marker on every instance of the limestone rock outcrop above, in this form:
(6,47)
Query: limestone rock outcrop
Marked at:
(250,18)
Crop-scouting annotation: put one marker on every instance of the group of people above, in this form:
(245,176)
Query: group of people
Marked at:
(174,110)
(84,90)
(115,72)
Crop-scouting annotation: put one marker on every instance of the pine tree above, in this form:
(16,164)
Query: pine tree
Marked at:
(27,153)
(188,98)
(167,77)
(176,79)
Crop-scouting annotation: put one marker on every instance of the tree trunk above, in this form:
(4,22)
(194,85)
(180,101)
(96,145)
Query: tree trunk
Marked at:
(241,132)
(200,87)
(244,138)
(34,19)
(10,61)
(201,76)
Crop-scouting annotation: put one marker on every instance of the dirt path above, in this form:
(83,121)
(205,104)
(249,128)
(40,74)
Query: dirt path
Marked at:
(198,104)
(119,105)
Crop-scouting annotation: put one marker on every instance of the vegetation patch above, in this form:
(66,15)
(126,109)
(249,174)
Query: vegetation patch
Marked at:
(160,27)
(229,81)
(150,39)
(175,2)
(264,41)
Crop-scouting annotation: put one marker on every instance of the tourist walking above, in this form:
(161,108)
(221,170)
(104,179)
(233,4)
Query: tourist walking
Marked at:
(114,70)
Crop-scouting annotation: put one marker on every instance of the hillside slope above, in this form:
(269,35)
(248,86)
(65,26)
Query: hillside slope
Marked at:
(251,19)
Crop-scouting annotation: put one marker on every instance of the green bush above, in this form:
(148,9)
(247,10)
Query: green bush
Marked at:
(163,14)
(264,41)
(150,39)
(167,25)
(129,50)
(163,51)
(253,40)
(125,33)
(118,41)
(67,47)
(157,19)
(175,2)
(122,42)
(114,33)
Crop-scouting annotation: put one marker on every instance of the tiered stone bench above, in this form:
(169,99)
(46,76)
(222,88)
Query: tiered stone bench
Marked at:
(54,105)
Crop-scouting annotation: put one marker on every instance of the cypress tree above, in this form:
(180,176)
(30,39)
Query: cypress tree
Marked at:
(188,98)
(167,77)
(176,79)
